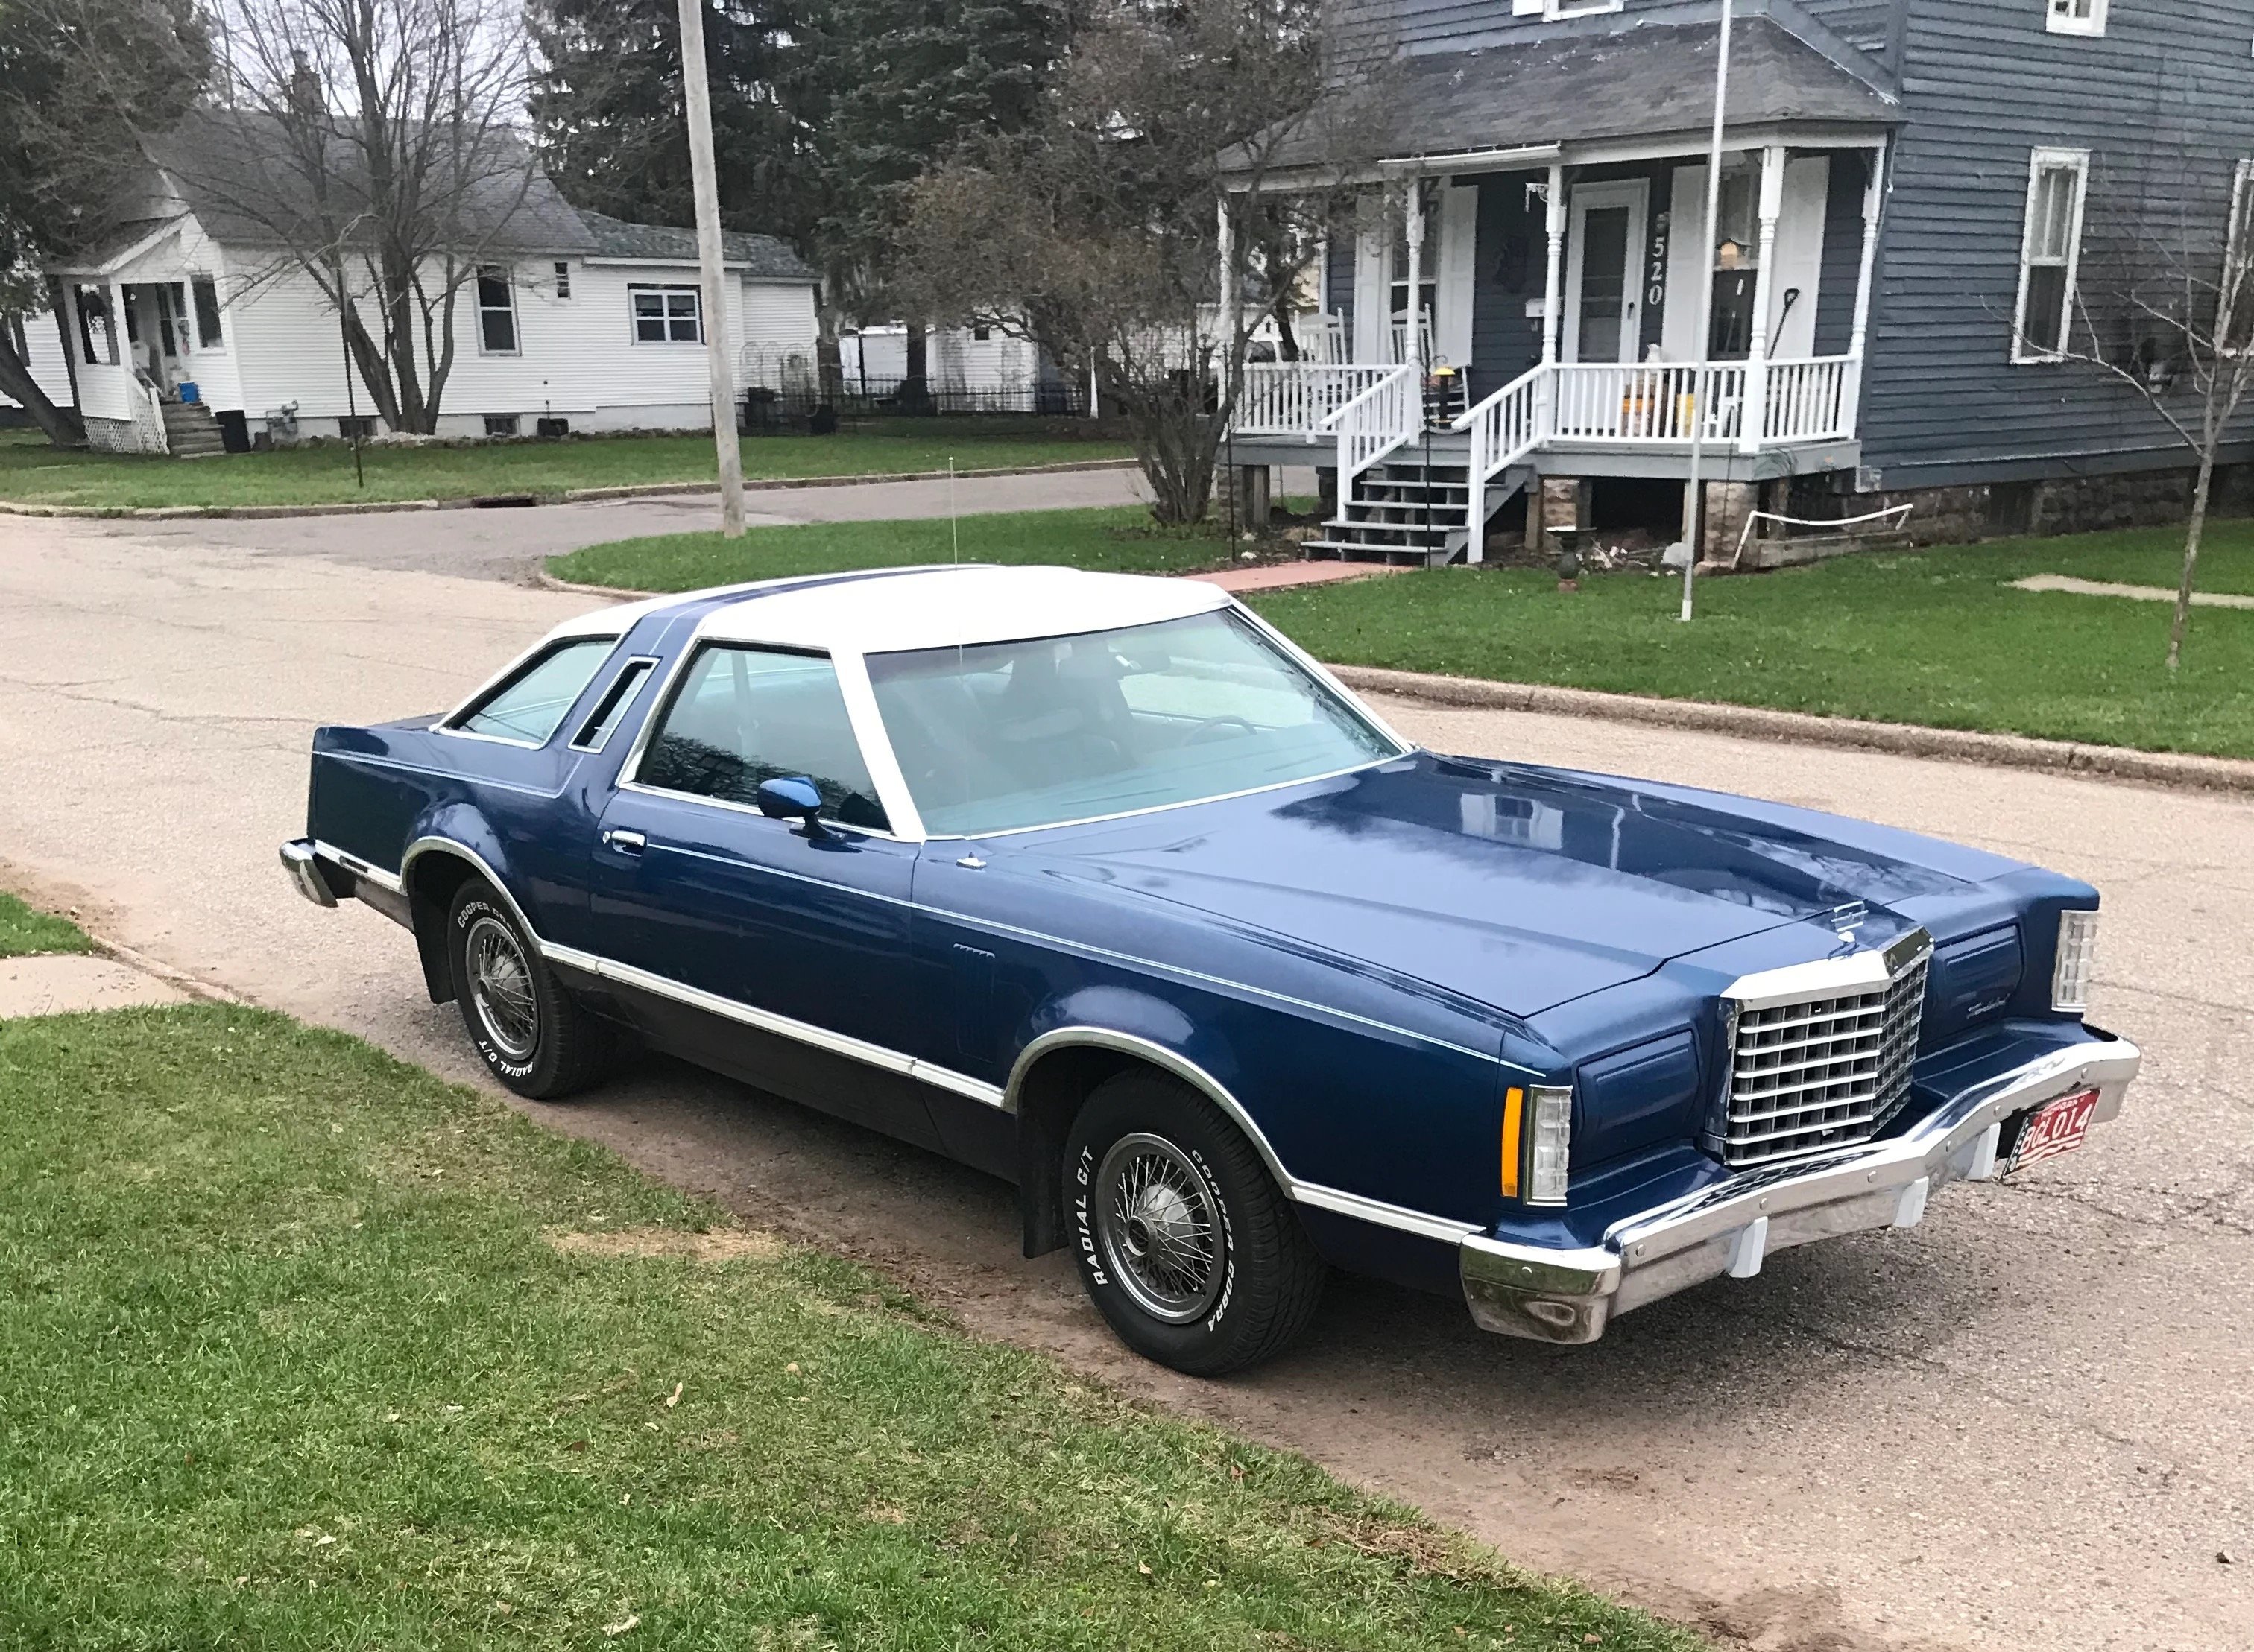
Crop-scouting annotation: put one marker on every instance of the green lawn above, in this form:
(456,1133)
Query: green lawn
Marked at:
(25,929)
(1935,637)
(32,472)
(303,1348)
(1119,539)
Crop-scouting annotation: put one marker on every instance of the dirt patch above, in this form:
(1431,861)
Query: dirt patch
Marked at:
(721,1244)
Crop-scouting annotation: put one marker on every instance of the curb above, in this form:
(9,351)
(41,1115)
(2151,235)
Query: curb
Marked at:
(569,496)
(2012,751)
(548,581)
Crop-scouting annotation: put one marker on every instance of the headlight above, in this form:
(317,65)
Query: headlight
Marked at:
(1551,1144)
(2077,949)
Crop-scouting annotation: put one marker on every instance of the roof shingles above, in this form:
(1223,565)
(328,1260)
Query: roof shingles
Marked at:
(1651,80)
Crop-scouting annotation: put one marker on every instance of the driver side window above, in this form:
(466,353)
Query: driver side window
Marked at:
(746,715)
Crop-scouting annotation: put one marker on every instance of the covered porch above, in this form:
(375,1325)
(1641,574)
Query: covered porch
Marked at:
(1517,294)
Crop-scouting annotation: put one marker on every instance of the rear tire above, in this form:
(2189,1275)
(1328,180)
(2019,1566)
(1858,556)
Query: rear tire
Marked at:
(1185,1244)
(528,1031)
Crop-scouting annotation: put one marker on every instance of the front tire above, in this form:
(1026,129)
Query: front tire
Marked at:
(527,1030)
(1184,1242)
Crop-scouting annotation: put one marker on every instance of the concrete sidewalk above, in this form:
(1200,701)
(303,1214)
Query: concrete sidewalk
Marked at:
(64,983)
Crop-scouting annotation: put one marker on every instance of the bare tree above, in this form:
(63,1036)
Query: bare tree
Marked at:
(1095,233)
(2170,314)
(373,145)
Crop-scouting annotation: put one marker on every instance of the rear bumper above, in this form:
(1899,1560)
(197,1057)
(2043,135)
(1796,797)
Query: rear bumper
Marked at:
(1570,1295)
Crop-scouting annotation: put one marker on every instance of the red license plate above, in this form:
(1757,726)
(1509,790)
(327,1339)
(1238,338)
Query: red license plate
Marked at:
(2055,1127)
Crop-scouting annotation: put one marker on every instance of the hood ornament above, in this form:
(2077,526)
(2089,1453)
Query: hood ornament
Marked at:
(1845,918)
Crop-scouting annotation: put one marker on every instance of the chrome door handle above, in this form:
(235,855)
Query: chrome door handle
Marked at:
(626,843)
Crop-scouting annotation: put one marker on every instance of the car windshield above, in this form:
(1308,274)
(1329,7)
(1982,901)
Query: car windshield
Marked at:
(1007,735)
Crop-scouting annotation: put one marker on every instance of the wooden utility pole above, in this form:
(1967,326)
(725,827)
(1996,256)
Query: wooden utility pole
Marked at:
(698,95)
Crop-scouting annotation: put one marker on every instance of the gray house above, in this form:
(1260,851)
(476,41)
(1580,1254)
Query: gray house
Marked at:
(1926,205)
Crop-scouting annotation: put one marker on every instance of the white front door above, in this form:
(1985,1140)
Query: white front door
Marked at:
(1604,251)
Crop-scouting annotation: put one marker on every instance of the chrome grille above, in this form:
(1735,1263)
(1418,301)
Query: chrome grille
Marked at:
(1823,1071)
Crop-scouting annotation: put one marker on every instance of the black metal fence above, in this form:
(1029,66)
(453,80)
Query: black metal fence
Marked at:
(763,409)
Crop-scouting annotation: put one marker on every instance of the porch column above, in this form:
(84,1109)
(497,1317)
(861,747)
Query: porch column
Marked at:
(1554,280)
(1412,348)
(1851,403)
(1553,286)
(1772,204)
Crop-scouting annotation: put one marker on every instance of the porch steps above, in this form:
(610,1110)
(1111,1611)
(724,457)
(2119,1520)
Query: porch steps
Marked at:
(190,432)
(1406,513)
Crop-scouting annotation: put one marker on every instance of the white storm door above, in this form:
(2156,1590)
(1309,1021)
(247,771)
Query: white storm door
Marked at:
(1452,306)
(1604,264)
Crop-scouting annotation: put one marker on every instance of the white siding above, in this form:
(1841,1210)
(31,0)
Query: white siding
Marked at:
(44,345)
(577,358)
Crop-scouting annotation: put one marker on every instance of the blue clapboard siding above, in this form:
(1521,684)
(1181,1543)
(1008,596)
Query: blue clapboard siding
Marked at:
(2165,102)
(1511,265)
(1843,255)
(1338,277)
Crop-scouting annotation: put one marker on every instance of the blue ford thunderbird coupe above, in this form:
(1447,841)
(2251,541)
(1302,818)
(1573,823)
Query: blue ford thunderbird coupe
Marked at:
(1098,884)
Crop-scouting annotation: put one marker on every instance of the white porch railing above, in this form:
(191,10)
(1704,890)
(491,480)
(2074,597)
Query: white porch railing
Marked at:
(1646,403)
(1810,401)
(1382,418)
(1505,429)
(1297,398)
(1633,404)
(1373,409)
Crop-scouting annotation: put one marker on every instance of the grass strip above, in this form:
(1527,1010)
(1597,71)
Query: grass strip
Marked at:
(1109,538)
(1937,637)
(25,930)
(304,1348)
(34,473)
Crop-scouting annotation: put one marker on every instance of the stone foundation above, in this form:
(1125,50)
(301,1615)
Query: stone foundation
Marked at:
(2006,510)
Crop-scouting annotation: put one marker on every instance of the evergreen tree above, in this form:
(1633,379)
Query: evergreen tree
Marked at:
(906,83)
(608,115)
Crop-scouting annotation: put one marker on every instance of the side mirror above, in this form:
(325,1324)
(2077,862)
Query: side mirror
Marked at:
(796,799)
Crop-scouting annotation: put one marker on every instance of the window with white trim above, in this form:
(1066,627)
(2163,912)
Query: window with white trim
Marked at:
(666,315)
(2050,254)
(563,278)
(496,311)
(2234,319)
(97,334)
(2076,17)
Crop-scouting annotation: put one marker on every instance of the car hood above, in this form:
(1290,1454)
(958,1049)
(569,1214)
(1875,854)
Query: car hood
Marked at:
(1516,886)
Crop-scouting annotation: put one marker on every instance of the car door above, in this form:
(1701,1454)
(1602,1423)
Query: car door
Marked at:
(792,947)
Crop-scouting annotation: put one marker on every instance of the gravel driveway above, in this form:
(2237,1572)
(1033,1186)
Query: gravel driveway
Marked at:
(2022,1425)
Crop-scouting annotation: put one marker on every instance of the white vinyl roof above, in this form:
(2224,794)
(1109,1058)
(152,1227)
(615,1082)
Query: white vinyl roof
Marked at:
(937,607)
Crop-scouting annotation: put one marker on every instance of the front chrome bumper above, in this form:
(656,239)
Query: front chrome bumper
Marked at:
(302,862)
(1560,1295)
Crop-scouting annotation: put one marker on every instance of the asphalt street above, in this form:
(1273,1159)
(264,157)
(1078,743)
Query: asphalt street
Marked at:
(509,543)
(2023,1424)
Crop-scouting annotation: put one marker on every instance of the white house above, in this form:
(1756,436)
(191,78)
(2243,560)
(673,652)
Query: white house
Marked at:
(584,321)
(39,342)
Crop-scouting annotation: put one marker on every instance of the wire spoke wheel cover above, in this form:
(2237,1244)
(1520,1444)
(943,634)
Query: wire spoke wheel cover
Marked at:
(1158,1224)
(502,989)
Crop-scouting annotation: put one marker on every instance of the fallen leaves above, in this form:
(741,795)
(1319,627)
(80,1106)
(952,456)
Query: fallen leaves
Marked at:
(614,1630)
(673,1398)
